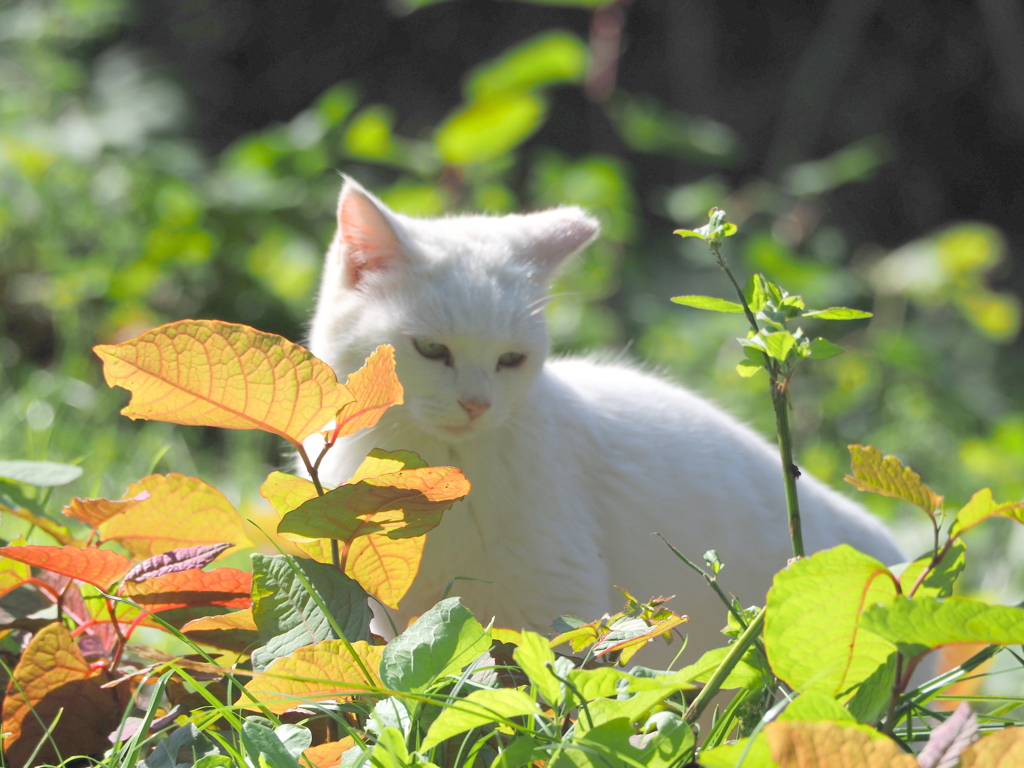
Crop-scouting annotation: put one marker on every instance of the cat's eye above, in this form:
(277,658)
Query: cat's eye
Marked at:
(511,360)
(432,350)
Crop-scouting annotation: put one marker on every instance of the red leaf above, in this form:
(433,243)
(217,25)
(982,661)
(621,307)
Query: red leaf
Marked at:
(226,587)
(99,567)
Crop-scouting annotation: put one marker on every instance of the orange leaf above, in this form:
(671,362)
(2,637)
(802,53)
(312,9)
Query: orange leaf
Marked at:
(237,620)
(826,744)
(180,512)
(314,673)
(328,755)
(52,675)
(226,587)
(96,511)
(383,566)
(231,631)
(99,567)
(402,504)
(1001,749)
(375,388)
(210,373)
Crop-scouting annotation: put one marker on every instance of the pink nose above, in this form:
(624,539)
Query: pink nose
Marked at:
(474,408)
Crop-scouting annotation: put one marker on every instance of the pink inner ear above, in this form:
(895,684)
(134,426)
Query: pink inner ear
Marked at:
(372,243)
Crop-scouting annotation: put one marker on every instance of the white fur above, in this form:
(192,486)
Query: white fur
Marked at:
(576,463)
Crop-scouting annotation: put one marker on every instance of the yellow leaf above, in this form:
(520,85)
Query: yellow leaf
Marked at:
(1002,749)
(314,673)
(180,512)
(383,566)
(96,511)
(827,744)
(287,492)
(236,620)
(328,755)
(375,388)
(209,373)
(983,506)
(887,477)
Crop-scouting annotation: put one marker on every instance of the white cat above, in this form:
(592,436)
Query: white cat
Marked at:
(574,463)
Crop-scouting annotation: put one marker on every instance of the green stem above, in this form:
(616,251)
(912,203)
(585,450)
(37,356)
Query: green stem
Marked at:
(789,470)
(736,652)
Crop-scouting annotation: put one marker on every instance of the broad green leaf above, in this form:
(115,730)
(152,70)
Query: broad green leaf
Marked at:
(550,57)
(919,624)
(636,708)
(489,127)
(441,642)
(264,748)
(755,293)
(325,671)
(406,503)
(829,745)
(614,742)
(53,675)
(518,753)
(938,583)
(981,507)
(754,755)
(813,707)
(887,477)
(166,520)
(822,349)
(288,617)
(779,344)
(710,303)
(99,567)
(477,709)
(601,682)
(836,313)
(743,675)
(535,657)
(392,752)
(872,696)
(45,474)
(1002,749)
(211,373)
(813,632)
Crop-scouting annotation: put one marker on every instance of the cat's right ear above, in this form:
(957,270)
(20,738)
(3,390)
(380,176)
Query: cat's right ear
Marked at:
(368,235)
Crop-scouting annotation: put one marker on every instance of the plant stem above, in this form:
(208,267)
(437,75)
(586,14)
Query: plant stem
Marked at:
(315,477)
(731,660)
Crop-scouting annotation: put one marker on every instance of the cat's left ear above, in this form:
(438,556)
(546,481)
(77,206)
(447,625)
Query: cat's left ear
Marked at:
(557,234)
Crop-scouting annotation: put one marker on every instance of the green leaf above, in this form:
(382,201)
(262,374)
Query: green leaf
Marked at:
(477,709)
(812,629)
(888,477)
(551,57)
(689,233)
(517,754)
(755,293)
(441,642)
(836,313)
(779,344)
(755,755)
(710,303)
(938,583)
(747,368)
(391,752)
(288,617)
(812,707)
(820,349)
(534,654)
(602,682)
(871,699)
(981,507)
(729,229)
(920,624)
(261,742)
(489,127)
(42,473)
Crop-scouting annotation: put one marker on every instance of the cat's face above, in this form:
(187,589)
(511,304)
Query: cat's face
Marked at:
(461,300)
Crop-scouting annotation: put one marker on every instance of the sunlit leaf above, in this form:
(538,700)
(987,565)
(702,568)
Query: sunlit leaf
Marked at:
(226,587)
(836,313)
(689,233)
(99,567)
(441,642)
(919,624)
(210,373)
(328,755)
(385,567)
(50,676)
(825,744)
(59,533)
(888,477)
(368,134)
(748,368)
(709,302)
(1002,749)
(779,344)
(550,57)
(939,582)
(40,473)
(287,492)
(94,512)
(489,127)
(315,673)
(185,559)
(406,503)
(13,573)
(230,631)
(167,520)
(477,709)
(535,657)
(822,349)
(288,616)
(375,388)
(981,507)
(812,630)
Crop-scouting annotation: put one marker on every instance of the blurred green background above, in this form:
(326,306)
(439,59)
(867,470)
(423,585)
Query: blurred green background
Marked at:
(180,158)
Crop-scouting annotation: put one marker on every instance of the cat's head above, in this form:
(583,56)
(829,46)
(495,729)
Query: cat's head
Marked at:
(461,299)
